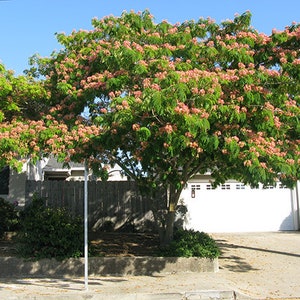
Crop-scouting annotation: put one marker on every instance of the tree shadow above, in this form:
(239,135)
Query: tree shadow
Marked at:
(70,284)
(270,251)
(236,263)
(230,262)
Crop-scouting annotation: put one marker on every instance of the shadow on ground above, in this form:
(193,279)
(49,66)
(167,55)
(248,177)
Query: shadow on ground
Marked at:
(232,259)
(231,262)
(70,284)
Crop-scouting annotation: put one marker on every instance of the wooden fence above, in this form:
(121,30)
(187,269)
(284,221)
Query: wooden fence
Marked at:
(112,205)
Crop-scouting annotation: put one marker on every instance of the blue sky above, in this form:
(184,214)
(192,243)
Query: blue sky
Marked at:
(28,26)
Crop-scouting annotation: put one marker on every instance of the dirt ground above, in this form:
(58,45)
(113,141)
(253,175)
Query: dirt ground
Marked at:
(124,244)
(104,244)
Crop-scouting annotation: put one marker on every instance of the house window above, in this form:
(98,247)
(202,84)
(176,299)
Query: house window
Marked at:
(269,187)
(57,176)
(225,186)
(196,186)
(240,186)
(4,181)
(209,187)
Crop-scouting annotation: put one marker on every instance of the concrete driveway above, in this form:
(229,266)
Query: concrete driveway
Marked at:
(256,265)
(261,265)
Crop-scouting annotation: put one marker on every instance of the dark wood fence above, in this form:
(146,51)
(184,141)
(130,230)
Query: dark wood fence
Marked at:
(112,205)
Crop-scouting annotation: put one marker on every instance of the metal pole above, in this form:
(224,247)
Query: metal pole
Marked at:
(298,204)
(86,254)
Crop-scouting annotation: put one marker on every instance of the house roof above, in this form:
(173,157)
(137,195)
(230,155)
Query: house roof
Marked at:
(53,164)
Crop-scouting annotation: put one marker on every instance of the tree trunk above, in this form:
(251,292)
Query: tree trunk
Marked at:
(167,232)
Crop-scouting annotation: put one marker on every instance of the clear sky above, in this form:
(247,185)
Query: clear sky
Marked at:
(28,26)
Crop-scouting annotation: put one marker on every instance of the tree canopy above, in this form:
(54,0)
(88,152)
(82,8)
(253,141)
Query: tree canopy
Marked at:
(168,101)
(175,100)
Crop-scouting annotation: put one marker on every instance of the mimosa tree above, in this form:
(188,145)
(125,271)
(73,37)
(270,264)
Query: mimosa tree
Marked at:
(168,101)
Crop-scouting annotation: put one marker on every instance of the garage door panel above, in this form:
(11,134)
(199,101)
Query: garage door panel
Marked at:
(239,209)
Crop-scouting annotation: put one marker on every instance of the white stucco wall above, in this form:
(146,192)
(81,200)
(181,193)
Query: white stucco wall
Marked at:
(239,209)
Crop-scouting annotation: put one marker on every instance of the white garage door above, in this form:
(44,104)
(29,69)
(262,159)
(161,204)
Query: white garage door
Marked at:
(234,207)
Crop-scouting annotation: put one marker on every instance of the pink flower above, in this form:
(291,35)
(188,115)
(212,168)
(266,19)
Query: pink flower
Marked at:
(125,104)
(263,165)
(168,128)
(290,161)
(182,108)
(155,86)
(173,30)
(195,90)
(247,163)
(241,65)
(146,82)
(127,44)
(202,92)
(135,127)
(296,62)
(283,60)
(210,44)
(195,110)
(194,145)
(112,95)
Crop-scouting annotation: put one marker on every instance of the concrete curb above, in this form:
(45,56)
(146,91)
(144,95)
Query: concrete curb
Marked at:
(105,266)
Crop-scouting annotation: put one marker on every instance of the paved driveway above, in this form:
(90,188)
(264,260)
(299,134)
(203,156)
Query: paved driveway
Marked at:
(261,264)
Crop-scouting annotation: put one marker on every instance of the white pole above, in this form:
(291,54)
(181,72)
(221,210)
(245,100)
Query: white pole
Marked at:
(86,254)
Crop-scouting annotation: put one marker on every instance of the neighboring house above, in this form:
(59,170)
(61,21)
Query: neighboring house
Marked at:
(51,169)
(232,207)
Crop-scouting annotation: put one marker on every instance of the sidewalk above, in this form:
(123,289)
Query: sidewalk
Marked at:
(188,286)
(256,265)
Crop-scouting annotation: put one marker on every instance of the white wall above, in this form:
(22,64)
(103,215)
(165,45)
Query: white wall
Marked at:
(239,210)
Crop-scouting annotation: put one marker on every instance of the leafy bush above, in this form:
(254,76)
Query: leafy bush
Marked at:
(48,232)
(9,219)
(188,243)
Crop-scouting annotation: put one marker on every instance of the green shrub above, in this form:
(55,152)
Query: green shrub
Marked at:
(188,243)
(9,219)
(48,232)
